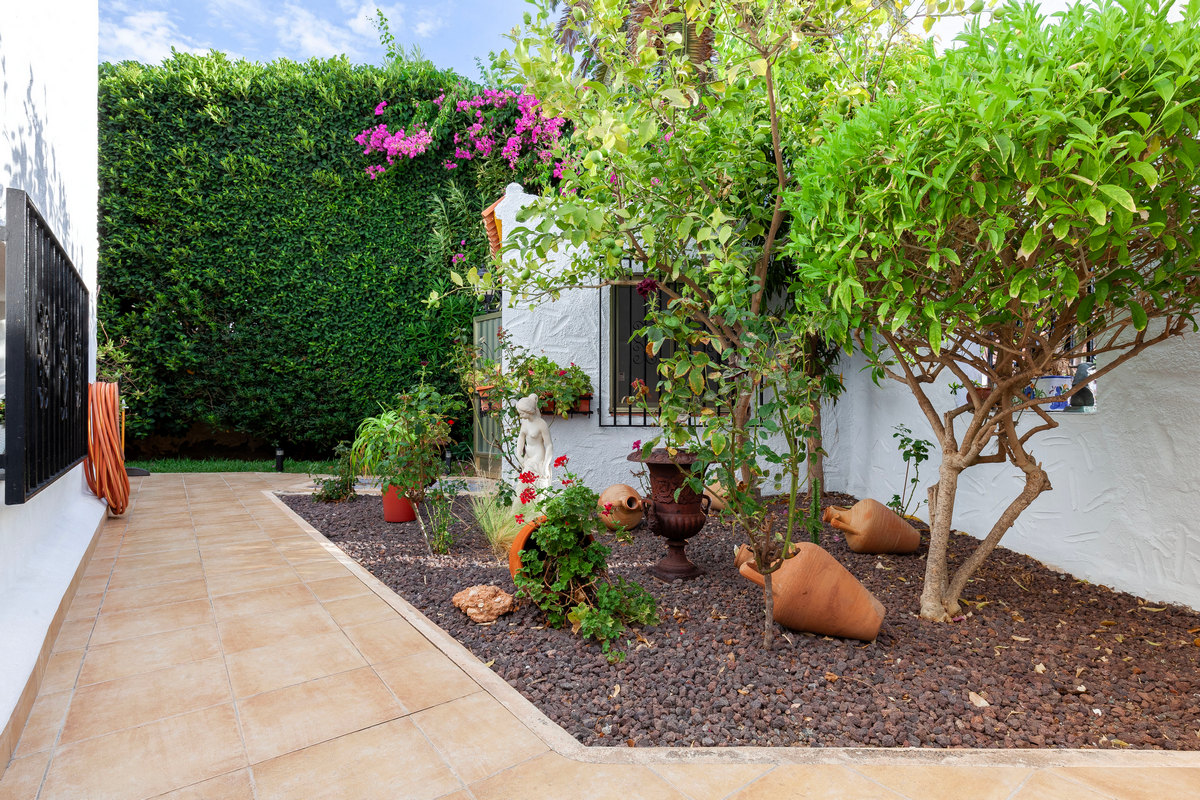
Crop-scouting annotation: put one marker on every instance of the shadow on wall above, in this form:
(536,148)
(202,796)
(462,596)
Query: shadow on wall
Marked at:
(30,162)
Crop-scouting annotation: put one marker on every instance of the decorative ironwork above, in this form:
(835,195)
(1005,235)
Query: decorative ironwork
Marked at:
(46,348)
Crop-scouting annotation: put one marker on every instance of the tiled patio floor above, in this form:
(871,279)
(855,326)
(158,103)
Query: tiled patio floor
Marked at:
(217,649)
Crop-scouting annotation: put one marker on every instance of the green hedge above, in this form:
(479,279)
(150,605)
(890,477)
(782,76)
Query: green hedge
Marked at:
(261,282)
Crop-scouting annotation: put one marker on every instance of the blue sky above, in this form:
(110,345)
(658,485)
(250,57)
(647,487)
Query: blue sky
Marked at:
(451,33)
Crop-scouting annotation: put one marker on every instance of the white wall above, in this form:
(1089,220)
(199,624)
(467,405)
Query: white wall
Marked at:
(1125,507)
(48,147)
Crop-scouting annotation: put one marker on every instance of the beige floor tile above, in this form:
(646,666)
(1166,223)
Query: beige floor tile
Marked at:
(44,722)
(159,595)
(97,583)
(552,777)
(73,634)
(231,786)
(321,570)
(61,671)
(289,719)
(338,588)
(1137,783)
(158,619)
(150,520)
(137,545)
(85,606)
(478,736)
(811,782)
(99,566)
(359,610)
(710,781)
(111,706)
(264,630)
(143,762)
(268,668)
(1046,785)
(263,601)
(150,576)
(392,760)
(978,783)
(460,795)
(149,653)
(184,554)
(242,562)
(389,640)
(425,680)
(233,582)
(23,776)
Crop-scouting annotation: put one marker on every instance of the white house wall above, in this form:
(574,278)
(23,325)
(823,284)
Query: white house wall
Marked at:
(48,147)
(1125,507)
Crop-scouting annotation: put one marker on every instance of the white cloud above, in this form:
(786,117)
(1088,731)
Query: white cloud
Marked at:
(429,22)
(302,34)
(233,13)
(145,36)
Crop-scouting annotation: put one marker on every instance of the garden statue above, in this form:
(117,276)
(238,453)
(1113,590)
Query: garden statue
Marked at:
(1085,396)
(535,450)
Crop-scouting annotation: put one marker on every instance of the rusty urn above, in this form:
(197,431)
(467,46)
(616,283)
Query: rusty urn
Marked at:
(673,511)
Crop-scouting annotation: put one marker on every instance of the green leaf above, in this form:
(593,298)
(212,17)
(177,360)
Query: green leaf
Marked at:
(1070,283)
(935,336)
(696,381)
(676,98)
(759,67)
(1147,172)
(1138,314)
(1097,211)
(1029,242)
(455,278)
(1118,196)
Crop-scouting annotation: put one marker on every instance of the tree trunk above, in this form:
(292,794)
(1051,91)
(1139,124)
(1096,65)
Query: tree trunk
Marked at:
(816,459)
(768,612)
(935,605)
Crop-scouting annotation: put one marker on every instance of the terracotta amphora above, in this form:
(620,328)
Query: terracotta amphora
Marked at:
(872,527)
(814,593)
(626,507)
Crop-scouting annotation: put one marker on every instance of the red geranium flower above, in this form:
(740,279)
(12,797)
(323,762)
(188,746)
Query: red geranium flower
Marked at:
(520,518)
(528,495)
(561,461)
(567,482)
(527,477)
(637,445)
(608,508)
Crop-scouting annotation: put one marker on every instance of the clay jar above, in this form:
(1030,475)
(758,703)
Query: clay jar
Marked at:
(626,507)
(872,527)
(814,593)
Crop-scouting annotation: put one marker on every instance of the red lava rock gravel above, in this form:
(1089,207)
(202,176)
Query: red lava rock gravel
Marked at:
(1060,662)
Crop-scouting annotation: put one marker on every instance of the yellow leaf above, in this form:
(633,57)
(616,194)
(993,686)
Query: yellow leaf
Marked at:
(977,701)
(1040,668)
(1020,638)
(759,67)
(616,690)
(928,24)
(1151,608)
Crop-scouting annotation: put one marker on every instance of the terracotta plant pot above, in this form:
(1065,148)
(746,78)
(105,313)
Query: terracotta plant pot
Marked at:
(814,593)
(523,542)
(397,508)
(583,405)
(744,555)
(626,507)
(485,405)
(872,527)
(715,493)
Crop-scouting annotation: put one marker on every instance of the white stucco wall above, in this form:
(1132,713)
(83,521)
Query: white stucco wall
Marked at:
(1125,507)
(48,147)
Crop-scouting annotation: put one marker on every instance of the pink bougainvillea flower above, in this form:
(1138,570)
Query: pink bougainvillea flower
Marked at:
(527,477)
(646,287)
(637,445)
(561,461)
(528,495)
(379,108)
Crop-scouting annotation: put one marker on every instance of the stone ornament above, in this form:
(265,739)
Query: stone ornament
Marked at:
(535,449)
(816,594)
(483,603)
(627,509)
(872,527)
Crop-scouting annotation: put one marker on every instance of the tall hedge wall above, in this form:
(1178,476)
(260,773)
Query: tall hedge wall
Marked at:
(261,282)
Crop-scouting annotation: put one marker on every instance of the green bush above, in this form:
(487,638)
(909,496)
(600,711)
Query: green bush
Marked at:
(261,282)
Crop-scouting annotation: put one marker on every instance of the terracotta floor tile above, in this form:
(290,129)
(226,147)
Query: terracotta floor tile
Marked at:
(149,653)
(231,533)
(23,776)
(826,782)
(158,595)
(289,719)
(268,668)
(157,619)
(44,722)
(1047,785)
(152,520)
(478,736)
(73,634)
(978,783)
(425,680)
(150,576)
(85,606)
(231,786)
(182,751)
(264,630)
(220,583)
(389,640)
(1140,783)
(61,671)
(710,781)
(392,760)
(359,610)
(337,588)
(102,708)
(552,777)
(262,601)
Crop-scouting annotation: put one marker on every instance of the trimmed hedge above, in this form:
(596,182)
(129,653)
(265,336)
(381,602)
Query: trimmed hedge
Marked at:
(262,283)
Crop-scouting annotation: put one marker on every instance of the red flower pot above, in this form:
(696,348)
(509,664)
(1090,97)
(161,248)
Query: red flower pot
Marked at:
(397,508)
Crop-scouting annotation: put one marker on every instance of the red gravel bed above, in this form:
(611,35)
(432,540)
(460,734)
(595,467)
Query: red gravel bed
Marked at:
(1060,662)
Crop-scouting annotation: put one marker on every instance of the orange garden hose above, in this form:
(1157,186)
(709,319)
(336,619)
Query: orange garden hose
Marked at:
(104,466)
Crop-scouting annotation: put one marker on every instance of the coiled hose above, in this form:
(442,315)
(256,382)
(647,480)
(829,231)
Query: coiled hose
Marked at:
(104,466)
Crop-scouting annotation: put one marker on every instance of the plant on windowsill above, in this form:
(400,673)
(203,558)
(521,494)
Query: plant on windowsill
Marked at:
(561,389)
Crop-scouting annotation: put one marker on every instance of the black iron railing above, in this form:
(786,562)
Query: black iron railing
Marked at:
(46,353)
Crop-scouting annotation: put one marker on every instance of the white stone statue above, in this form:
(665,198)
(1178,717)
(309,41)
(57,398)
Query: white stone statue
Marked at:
(535,450)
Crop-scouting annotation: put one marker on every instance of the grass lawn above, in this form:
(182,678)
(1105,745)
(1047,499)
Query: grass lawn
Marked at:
(230,465)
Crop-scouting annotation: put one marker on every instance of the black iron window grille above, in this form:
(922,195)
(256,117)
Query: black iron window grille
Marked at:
(46,352)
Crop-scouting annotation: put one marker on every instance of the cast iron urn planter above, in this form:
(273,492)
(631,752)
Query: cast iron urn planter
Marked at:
(673,511)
